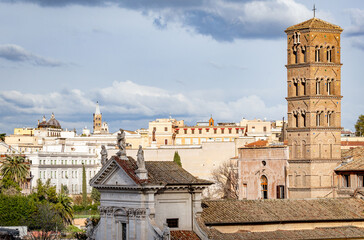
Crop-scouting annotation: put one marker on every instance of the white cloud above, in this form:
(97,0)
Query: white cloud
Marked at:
(126,101)
(15,53)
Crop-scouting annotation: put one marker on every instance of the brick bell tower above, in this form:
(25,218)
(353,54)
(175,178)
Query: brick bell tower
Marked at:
(314,108)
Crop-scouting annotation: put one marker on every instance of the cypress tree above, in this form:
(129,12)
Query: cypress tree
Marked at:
(84,189)
(177,159)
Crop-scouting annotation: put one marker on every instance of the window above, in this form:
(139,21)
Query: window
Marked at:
(346,180)
(203,140)
(329,119)
(185,130)
(172,222)
(295,120)
(328,54)
(199,131)
(264,187)
(195,141)
(264,129)
(165,141)
(237,130)
(318,116)
(317,86)
(222,130)
(360,180)
(187,140)
(253,129)
(229,130)
(193,130)
(123,231)
(328,86)
(215,130)
(280,192)
(304,88)
(317,54)
(166,129)
(177,131)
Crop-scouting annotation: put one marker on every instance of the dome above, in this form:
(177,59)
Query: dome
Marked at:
(53,123)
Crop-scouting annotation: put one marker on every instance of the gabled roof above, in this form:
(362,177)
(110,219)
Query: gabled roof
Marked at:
(232,212)
(314,23)
(159,173)
(346,232)
(259,143)
(352,165)
(355,153)
(184,235)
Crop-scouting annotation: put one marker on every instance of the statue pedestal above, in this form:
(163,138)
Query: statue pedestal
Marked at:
(122,155)
(142,173)
(153,144)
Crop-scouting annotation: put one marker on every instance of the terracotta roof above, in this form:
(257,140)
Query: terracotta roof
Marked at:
(259,143)
(346,232)
(355,153)
(352,143)
(184,235)
(352,165)
(314,23)
(222,212)
(160,172)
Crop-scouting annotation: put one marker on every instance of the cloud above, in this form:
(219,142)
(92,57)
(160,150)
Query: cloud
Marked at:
(15,53)
(223,20)
(127,102)
(357,21)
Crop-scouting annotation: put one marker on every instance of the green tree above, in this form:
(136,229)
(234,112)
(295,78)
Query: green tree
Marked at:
(84,188)
(2,136)
(15,167)
(359,126)
(177,159)
(95,196)
(9,186)
(64,208)
(46,192)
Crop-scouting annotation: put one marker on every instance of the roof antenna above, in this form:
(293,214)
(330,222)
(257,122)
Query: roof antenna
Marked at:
(314,11)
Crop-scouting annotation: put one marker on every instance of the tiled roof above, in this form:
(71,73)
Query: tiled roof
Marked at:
(355,153)
(314,23)
(347,232)
(352,143)
(259,143)
(184,235)
(357,161)
(160,172)
(221,212)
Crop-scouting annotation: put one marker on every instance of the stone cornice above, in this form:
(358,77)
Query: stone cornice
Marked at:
(318,64)
(309,129)
(314,160)
(308,30)
(297,98)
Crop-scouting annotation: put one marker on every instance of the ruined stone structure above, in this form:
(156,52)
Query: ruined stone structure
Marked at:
(314,108)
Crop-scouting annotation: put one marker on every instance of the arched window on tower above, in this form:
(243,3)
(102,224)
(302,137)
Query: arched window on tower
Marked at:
(295,84)
(329,87)
(318,119)
(328,54)
(295,117)
(295,53)
(264,187)
(329,119)
(317,86)
(304,119)
(317,54)
(304,87)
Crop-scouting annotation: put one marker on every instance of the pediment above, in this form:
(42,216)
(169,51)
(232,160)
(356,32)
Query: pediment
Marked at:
(112,174)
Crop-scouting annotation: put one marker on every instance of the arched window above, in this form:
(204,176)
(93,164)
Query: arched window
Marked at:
(317,86)
(329,118)
(264,187)
(328,54)
(317,54)
(304,87)
(318,120)
(295,115)
(295,84)
(304,119)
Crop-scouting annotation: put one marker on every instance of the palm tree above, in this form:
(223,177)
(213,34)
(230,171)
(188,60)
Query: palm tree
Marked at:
(15,167)
(64,208)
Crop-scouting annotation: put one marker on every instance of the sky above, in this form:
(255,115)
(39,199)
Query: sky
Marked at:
(148,59)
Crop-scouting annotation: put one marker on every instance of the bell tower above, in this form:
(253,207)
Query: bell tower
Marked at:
(314,108)
(97,119)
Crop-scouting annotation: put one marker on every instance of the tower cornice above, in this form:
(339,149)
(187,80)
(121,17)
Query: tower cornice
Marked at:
(318,64)
(314,97)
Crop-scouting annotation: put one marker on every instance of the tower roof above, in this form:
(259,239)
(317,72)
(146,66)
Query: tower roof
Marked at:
(97,111)
(314,23)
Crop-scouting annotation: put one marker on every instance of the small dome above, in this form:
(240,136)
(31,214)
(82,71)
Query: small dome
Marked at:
(53,123)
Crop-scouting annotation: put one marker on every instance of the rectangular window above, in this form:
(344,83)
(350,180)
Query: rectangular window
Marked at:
(195,141)
(193,131)
(346,180)
(230,130)
(199,131)
(187,140)
(215,130)
(172,222)
(178,141)
(237,130)
(165,129)
(226,139)
(203,140)
(185,131)
(222,130)
(123,229)
(264,129)
(280,192)
(177,131)
(360,180)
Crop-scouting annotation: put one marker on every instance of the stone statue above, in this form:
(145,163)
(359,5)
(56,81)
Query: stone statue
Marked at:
(89,229)
(121,143)
(153,139)
(166,232)
(103,155)
(140,158)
